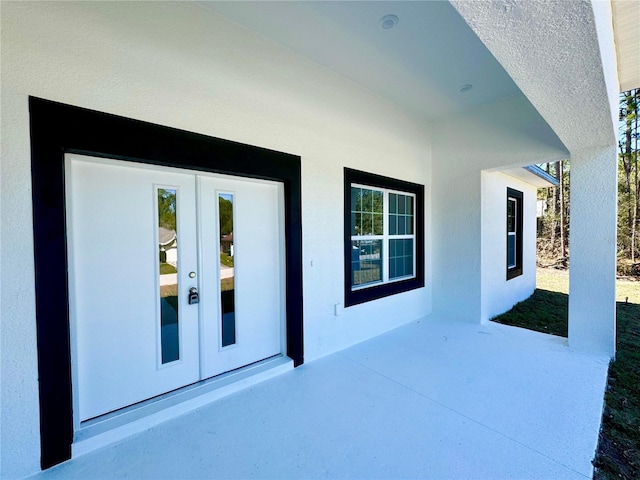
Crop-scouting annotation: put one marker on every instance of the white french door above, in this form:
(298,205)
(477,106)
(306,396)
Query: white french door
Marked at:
(174,277)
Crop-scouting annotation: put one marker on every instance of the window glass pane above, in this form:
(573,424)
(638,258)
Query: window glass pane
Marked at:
(401,204)
(408,264)
(360,200)
(168,268)
(367,206)
(400,258)
(367,224)
(367,203)
(378,201)
(401,225)
(377,224)
(511,215)
(366,262)
(393,203)
(511,250)
(227,270)
(355,194)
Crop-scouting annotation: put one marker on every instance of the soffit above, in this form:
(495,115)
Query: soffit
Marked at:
(626,18)
(551,50)
(533,175)
(420,64)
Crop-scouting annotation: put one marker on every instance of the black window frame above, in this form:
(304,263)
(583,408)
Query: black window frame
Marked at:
(377,291)
(515,271)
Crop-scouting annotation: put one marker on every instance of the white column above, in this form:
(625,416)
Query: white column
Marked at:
(592,274)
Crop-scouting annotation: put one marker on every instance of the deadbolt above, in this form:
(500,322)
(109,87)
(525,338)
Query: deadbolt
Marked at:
(193,296)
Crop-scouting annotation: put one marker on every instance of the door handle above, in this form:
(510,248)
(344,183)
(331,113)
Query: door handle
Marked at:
(193,296)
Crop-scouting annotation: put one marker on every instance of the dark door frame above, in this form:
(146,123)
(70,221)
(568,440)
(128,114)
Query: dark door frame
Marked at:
(57,129)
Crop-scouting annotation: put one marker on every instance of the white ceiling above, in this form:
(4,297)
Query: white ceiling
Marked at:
(626,20)
(421,64)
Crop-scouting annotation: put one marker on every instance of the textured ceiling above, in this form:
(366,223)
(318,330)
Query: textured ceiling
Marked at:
(551,49)
(421,64)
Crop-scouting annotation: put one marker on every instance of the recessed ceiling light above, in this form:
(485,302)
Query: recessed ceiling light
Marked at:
(388,22)
(466,87)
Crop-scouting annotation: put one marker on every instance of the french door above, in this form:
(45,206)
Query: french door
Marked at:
(174,277)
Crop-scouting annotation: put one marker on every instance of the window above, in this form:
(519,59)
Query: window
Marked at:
(514,233)
(384,245)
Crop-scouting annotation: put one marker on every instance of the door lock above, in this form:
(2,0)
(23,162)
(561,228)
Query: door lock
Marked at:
(193,296)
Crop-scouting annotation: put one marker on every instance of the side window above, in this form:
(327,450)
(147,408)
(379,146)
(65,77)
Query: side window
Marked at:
(384,246)
(514,233)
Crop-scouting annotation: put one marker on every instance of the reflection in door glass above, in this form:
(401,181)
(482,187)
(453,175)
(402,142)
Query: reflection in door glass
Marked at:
(227,282)
(168,260)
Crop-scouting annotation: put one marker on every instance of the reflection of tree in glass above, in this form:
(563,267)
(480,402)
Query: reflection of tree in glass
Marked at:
(226,214)
(369,201)
(369,208)
(167,208)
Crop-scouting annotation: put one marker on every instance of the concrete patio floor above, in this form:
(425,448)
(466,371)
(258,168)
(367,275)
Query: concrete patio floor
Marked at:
(432,399)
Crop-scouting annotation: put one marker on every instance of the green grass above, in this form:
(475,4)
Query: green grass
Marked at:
(167,268)
(544,311)
(618,454)
(226,260)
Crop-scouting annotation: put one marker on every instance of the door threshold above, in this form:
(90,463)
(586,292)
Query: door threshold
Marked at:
(115,426)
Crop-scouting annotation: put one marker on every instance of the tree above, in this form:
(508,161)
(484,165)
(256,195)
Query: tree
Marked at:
(226,215)
(553,233)
(629,185)
(167,208)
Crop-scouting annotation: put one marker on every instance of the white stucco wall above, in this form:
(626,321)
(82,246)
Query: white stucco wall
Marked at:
(181,65)
(603,20)
(507,133)
(592,244)
(578,60)
(499,294)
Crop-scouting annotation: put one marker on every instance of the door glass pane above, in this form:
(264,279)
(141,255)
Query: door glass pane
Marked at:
(227,273)
(168,263)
